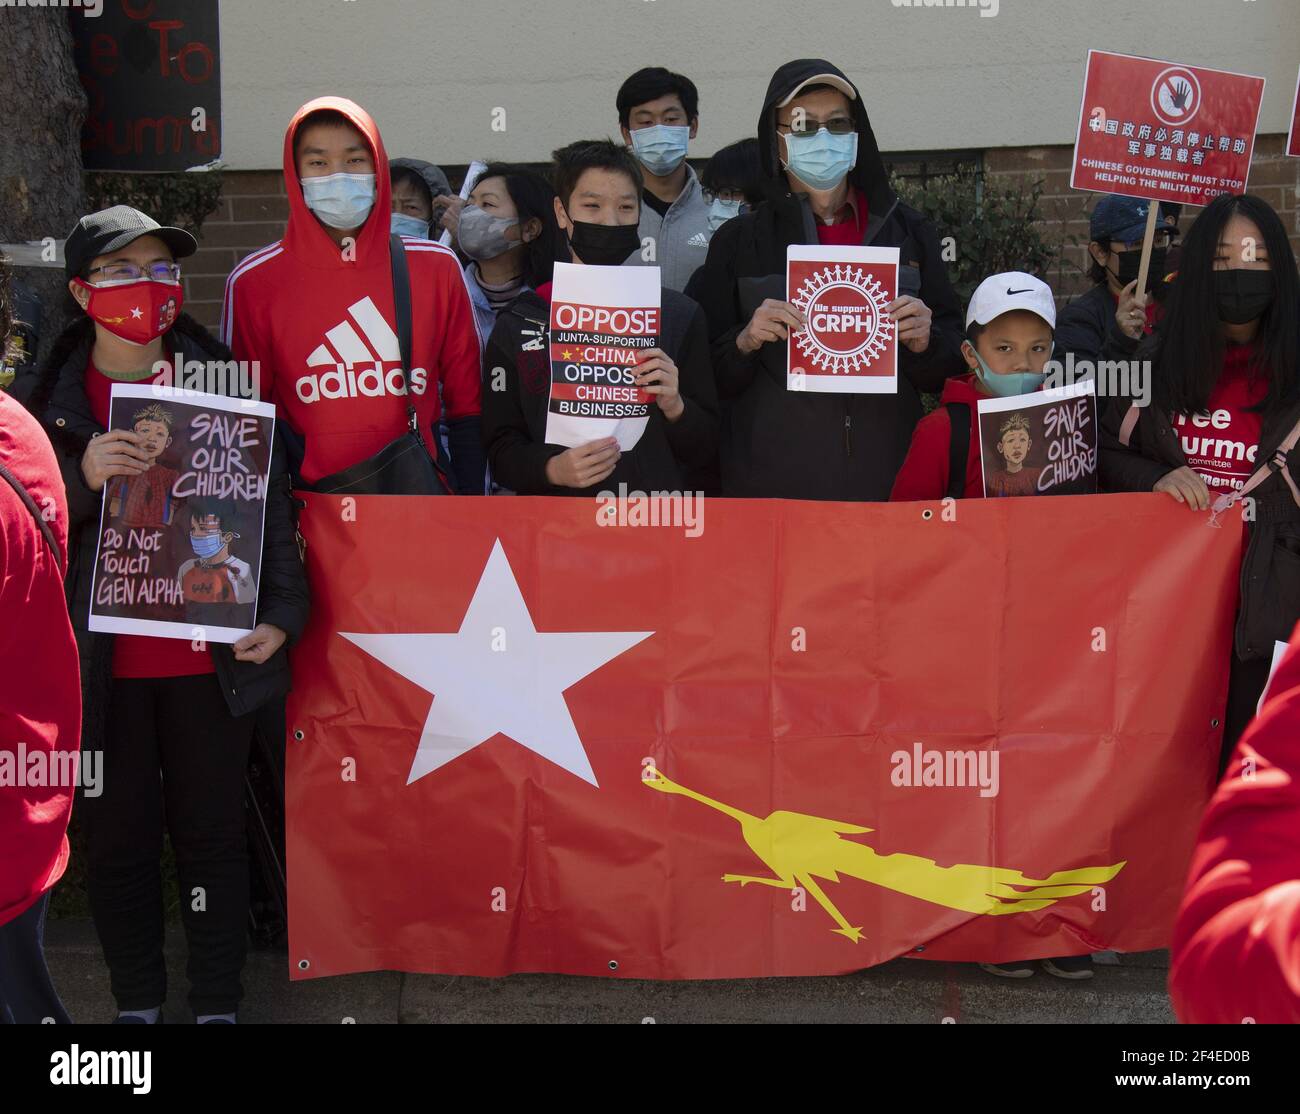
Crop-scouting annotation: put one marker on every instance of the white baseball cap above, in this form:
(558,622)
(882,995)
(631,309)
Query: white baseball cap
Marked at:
(832,79)
(999,294)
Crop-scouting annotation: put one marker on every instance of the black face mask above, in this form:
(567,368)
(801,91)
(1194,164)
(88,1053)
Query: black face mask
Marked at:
(1242,295)
(604,245)
(1130,262)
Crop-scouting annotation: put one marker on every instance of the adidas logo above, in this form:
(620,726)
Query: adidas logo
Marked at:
(699,240)
(346,348)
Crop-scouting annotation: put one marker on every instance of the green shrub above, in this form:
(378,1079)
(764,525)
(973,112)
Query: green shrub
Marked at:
(184,199)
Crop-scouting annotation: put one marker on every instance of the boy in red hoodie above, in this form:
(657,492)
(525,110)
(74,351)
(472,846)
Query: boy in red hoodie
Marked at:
(316,310)
(1009,328)
(1010,324)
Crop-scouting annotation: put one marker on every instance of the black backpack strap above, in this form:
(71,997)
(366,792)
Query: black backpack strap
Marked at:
(958,447)
(402,308)
(401,298)
(27,501)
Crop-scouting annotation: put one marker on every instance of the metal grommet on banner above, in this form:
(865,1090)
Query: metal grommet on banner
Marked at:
(303,964)
(919,948)
(927,514)
(298,734)
(1214,723)
(613,964)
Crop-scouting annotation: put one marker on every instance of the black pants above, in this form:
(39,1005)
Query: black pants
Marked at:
(1246,680)
(27,997)
(173,750)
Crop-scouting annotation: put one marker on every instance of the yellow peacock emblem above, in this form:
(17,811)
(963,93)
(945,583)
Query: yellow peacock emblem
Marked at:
(798,849)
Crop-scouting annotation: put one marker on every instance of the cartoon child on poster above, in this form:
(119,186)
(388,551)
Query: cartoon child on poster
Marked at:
(213,574)
(1013,445)
(147,500)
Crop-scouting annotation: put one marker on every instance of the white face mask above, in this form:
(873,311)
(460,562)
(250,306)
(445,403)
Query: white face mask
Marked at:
(342,201)
(405,225)
(722,211)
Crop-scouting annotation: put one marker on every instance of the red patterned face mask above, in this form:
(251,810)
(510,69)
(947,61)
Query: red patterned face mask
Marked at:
(138,312)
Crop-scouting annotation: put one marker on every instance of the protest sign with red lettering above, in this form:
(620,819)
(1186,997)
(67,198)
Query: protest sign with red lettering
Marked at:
(180,545)
(1293,139)
(850,344)
(1044,443)
(602,321)
(1163,131)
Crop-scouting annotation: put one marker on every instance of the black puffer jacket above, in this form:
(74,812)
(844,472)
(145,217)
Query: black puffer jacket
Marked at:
(778,443)
(60,402)
(1270,572)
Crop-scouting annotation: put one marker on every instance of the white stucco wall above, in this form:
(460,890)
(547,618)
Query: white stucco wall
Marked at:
(432,71)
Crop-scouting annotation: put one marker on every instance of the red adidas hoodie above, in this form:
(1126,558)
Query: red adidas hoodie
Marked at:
(924,474)
(321,324)
(1236,945)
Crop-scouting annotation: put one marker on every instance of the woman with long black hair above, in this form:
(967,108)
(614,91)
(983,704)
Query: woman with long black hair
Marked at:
(1225,411)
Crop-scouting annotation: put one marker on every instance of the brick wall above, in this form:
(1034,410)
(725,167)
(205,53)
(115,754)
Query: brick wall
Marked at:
(253,209)
(1273,176)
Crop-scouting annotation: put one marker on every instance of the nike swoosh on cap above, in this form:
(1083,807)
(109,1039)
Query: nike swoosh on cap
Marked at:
(1026,290)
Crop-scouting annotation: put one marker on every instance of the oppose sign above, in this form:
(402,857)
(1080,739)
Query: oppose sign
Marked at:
(1163,131)
(850,342)
(602,319)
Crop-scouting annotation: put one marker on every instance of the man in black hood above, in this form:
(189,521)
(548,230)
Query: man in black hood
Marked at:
(826,184)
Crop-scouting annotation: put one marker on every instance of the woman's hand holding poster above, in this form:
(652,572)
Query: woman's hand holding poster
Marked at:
(1044,443)
(180,543)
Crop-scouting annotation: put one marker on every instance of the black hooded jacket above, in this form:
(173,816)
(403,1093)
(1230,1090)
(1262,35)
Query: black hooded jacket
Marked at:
(778,443)
(60,403)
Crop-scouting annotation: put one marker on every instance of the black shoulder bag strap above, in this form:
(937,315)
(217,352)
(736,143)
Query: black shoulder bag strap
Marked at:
(402,308)
(958,447)
(27,501)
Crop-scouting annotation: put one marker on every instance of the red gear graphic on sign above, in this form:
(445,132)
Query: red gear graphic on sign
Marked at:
(863,320)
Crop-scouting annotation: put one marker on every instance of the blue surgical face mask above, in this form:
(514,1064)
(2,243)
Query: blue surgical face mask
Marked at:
(822,160)
(722,211)
(1007,386)
(342,201)
(661,148)
(403,225)
(206,545)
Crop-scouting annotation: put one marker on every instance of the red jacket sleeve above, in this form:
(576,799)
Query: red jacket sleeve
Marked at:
(460,354)
(1236,945)
(239,332)
(924,474)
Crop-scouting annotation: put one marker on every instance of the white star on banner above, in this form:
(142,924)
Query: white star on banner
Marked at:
(498,674)
(136,312)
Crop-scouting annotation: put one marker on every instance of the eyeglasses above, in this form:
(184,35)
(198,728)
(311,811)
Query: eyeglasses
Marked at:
(725,195)
(119,272)
(840,125)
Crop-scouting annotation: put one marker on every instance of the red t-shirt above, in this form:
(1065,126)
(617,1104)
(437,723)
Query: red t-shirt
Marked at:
(1221,444)
(849,232)
(40,687)
(145,497)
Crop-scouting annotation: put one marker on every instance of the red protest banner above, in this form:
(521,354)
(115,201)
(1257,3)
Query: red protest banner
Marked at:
(1293,139)
(705,750)
(1164,131)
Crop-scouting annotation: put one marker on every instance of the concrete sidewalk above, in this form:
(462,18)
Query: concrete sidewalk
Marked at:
(904,991)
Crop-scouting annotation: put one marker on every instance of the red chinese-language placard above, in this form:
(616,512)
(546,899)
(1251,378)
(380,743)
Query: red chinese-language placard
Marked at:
(850,343)
(1164,131)
(1293,139)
